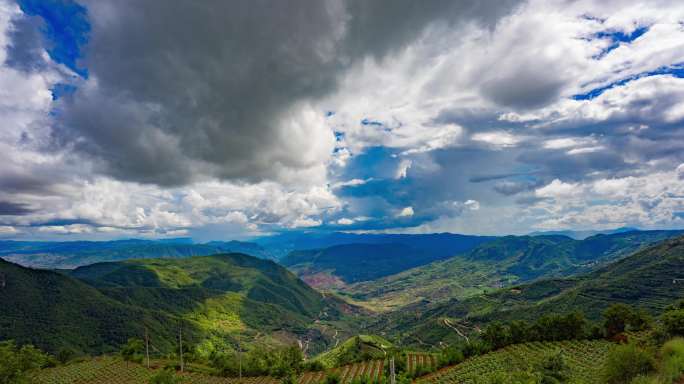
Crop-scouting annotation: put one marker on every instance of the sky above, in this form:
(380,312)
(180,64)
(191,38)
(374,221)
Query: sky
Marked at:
(235,119)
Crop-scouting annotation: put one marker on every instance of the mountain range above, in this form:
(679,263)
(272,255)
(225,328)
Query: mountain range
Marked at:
(411,293)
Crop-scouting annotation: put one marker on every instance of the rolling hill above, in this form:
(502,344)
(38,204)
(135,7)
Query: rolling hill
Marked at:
(499,263)
(649,279)
(218,299)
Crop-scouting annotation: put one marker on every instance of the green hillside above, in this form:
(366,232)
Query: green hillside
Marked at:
(220,300)
(647,279)
(53,311)
(355,349)
(500,263)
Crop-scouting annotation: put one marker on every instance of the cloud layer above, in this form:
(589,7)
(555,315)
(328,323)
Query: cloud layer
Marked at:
(225,119)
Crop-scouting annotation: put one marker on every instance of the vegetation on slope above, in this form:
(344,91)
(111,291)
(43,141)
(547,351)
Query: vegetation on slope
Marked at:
(500,263)
(54,312)
(355,349)
(219,301)
(648,279)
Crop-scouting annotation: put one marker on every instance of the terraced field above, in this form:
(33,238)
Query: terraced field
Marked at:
(112,370)
(371,369)
(584,359)
(420,359)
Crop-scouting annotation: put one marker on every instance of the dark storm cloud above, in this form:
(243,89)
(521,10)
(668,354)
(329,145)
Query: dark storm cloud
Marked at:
(509,187)
(202,89)
(8,208)
(526,89)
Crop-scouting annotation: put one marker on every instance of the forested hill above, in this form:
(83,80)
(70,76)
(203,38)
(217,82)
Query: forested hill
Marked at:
(373,256)
(502,262)
(216,299)
(650,279)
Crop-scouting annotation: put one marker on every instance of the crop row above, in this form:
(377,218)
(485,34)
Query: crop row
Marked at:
(417,359)
(110,370)
(371,369)
(584,359)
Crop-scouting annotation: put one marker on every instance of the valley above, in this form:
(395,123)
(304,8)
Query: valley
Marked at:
(386,299)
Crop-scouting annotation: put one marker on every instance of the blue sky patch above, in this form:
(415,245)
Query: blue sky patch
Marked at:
(676,70)
(368,121)
(617,38)
(66,29)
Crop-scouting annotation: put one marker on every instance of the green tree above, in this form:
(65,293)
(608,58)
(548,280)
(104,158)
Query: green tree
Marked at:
(165,376)
(15,362)
(673,322)
(641,320)
(496,335)
(133,350)
(519,331)
(616,318)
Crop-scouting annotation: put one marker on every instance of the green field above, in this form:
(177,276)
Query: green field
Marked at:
(584,359)
(113,370)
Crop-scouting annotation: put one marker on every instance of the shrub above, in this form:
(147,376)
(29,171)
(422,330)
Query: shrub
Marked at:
(332,378)
(672,354)
(554,369)
(165,376)
(475,348)
(626,362)
(133,350)
(450,356)
(314,365)
(65,355)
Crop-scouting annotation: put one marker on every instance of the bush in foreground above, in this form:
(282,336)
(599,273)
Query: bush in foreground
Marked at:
(625,362)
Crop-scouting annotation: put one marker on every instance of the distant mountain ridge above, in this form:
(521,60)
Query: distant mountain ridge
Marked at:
(581,235)
(379,256)
(442,244)
(72,254)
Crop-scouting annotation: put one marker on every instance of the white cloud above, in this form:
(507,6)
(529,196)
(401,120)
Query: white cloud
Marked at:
(402,169)
(345,221)
(406,212)
(557,189)
(497,139)
(8,230)
(472,205)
